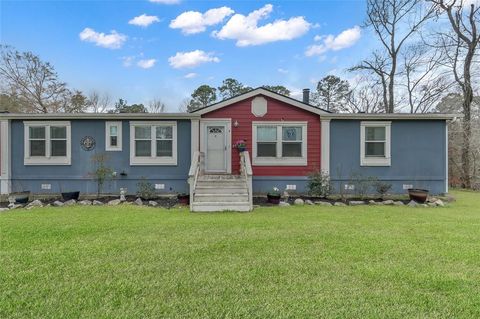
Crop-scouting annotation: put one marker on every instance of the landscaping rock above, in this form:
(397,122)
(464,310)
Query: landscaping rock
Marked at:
(412,203)
(138,202)
(432,199)
(283,204)
(97,203)
(15,206)
(4,209)
(356,203)
(309,202)
(85,202)
(152,203)
(114,202)
(339,204)
(323,203)
(398,203)
(299,202)
(388,202)
(439,202)
(70,202)
(58,203)
(36,203)
(432,204)
(424,205)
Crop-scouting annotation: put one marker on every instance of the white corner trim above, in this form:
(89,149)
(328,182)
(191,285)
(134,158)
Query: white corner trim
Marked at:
(108,147)
(279,160)
(325,147)
(375,161)
(5,160)
(153,159)
(47,160)
(446,157)
(194,136)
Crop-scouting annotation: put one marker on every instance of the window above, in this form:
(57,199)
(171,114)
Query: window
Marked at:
(375,143)
(153,143)
(47,143)
(280,143)
(113,136)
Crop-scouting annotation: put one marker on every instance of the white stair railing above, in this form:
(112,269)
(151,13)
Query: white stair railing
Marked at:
(193,173)
(247,172)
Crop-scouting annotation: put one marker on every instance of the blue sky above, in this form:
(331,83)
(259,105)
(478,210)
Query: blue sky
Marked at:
(293,43)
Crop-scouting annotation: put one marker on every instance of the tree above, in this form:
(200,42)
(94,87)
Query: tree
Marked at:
(394,22)
(122,107)
(460,46)
(231,87)
(365,97)
(9,103)
(156,106)
(280,89)
(97,102)
(332,93)
(78,103)
(203,96)
(33,82)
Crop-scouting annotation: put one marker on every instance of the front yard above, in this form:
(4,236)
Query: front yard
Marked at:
(310,261)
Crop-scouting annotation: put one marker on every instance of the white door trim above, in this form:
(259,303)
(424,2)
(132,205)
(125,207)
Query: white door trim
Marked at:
(203,138)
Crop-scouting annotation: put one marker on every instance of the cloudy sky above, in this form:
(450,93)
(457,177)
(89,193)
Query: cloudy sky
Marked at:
(145,49)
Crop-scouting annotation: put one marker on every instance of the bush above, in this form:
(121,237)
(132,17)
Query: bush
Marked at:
(319,184)
(145,189)
(382,188)
(362,184)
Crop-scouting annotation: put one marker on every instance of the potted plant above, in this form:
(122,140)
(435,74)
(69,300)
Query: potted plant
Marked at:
(19,197)
(183,198)
(274,196)
(241,145)
(417,194)
(66,196)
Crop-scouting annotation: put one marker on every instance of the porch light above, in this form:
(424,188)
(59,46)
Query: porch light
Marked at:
(235,124)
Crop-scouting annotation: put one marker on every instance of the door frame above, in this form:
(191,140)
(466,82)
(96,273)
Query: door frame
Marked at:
(227,123)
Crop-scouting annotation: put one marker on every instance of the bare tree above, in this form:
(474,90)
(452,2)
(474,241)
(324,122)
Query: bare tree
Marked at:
(98,102)
(156,106)
(33,82)
(460,46)
(364,97)
(394,22)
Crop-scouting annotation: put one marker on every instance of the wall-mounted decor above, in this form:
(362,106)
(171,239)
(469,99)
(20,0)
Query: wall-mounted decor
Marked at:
(87,143)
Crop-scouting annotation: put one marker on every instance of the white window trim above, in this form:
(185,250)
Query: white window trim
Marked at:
(279,160)
(46,160)
(109,147)
(153,159)
(375,161)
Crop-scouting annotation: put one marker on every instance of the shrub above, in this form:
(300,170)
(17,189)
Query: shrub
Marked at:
(319,184)
(382,188)
(145,189)
(102,173)
(362,184)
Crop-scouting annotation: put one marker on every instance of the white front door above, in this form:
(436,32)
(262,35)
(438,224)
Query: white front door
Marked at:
(216,148)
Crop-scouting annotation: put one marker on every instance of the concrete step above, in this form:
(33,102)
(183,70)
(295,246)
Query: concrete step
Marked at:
(220,198)
(219,207)
(221,178)
(222,190)
(221,184)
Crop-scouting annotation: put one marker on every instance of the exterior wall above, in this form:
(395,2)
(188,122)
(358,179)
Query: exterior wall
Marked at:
(77,175)
(418,155)
(277,111)
(265,184)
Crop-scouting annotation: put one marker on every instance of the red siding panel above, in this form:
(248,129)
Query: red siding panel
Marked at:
(277,111)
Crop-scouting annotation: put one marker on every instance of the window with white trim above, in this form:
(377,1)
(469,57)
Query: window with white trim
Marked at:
(47,143)
(280,143)
(375,143)
(153,143)
(113,136)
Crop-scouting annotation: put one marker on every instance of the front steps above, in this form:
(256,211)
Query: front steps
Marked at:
(214,193)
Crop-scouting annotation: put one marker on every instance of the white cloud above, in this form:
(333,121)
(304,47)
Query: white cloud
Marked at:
(144,20)
(191,22)
(127,61)
(345,39)
(191,59)
(166,1)
(113,40)
(147,63)
(190,75)
(245,29)
(283,71)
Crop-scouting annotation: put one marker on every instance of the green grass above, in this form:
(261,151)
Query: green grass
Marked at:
(344,262)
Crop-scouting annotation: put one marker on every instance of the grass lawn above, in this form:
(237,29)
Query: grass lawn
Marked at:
(344,262)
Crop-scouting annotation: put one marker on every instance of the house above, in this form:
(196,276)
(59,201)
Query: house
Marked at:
(194,152)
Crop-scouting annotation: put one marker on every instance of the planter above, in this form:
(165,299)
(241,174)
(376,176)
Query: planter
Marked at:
(183,199)
(66,196)
(273,199)
(241,149)
(21,197)
(418,195)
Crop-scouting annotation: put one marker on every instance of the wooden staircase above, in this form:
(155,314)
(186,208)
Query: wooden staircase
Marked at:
(213,193)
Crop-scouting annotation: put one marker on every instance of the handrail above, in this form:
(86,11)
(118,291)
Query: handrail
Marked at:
(247,172)
(193,174)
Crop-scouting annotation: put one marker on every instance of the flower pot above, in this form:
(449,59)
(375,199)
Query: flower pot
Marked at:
(20,197)
(418,195)
(273,199)
(66,196)
(241,149)
(183,199)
